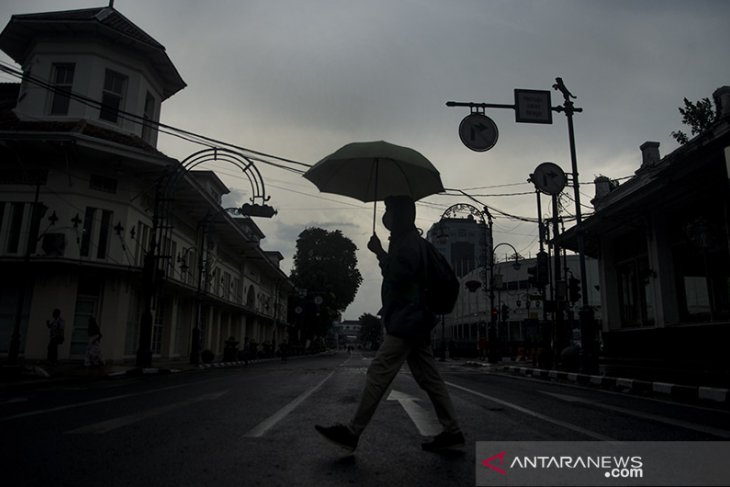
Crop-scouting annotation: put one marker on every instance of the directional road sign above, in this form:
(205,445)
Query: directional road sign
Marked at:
(478,132)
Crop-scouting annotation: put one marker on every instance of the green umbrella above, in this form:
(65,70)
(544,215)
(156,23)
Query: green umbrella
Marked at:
(372,171)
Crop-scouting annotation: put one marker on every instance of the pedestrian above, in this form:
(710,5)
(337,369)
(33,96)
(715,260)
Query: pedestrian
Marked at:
(56,329)
(408,323)
(93,349)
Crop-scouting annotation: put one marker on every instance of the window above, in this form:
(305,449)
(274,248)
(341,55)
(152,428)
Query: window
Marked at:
(97,228)
(17,211)
(635,280)
(62,82)
(88,228)
(148,128)
(702,267)
(112,96)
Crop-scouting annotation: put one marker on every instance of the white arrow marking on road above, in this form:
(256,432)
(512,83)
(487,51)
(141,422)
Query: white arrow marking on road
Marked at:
(116,423)
(652,417)
(425,420)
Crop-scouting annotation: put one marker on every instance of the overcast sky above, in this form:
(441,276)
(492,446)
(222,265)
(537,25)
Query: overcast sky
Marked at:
(299,79)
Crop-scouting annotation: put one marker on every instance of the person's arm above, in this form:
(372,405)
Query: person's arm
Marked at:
(376,247)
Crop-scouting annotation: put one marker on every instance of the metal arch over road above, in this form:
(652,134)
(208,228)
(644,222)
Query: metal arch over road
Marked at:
(218,154)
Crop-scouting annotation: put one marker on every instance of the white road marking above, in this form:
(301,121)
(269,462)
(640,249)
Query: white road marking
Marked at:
(424,419)
(87,403)
(116,423)
(652,417)
(14,400)
(566,425)
(261,429)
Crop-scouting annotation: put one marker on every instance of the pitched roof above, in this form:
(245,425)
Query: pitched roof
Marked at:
(107,16)
(104,22)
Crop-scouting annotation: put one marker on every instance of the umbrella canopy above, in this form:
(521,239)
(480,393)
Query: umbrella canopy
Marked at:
(372,171)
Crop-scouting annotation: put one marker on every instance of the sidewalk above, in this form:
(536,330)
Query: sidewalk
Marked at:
(716,395)
(30,375)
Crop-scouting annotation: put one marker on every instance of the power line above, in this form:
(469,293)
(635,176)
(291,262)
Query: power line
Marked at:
(177,132)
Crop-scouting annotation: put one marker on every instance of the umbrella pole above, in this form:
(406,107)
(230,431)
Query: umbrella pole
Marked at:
(375,202)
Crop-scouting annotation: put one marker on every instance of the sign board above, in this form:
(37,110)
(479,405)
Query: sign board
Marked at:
(549,178)
(478,132)
(533,106)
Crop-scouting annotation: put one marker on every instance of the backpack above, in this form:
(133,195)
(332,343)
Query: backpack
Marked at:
(442,286)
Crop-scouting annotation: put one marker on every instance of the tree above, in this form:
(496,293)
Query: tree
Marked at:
(698,116)
(325,271)
(371,330)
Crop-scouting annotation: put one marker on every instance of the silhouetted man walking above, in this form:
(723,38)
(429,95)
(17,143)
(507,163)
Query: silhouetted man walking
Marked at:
(408,323)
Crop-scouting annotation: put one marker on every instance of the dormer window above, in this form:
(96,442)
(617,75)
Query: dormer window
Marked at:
(62,81)
(148,129)
(115,85)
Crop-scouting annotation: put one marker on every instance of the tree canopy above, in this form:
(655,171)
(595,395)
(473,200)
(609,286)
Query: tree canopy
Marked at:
(698,116)
(325,272)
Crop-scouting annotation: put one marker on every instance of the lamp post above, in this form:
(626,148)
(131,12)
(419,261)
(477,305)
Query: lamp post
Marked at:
(493,319)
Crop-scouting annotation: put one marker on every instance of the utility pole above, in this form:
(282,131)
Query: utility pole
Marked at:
(587,322)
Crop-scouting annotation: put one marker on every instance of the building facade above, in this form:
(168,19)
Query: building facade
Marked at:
(86,199)
(463,241)
(525,320)
(661,239)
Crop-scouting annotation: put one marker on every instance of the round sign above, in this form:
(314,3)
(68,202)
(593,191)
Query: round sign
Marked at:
(549,178)
(318,300)
(478,132)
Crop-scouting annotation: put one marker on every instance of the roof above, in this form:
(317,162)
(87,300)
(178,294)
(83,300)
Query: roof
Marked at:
(651,185)
(10,125)
(104,22)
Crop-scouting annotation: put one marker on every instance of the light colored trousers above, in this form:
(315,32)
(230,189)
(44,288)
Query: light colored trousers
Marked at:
(383,369)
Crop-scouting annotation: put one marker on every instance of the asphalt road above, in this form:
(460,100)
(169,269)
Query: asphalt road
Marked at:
(253,426)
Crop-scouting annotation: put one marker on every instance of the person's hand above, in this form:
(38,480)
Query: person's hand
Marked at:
(375,246)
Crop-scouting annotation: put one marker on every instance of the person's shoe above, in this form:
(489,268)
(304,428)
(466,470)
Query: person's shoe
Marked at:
(445,440)
(340,435)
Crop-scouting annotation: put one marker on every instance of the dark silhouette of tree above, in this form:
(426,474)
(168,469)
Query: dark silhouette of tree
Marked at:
(325,271)
(698,116)
(371,330)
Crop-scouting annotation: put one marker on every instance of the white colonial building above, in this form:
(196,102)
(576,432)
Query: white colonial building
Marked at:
(85,196)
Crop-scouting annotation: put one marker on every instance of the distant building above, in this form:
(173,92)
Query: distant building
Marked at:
(348,332)
(463,241)
(80,203)
(519,305)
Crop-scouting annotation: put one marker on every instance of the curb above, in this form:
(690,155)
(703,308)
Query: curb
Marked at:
(677,391)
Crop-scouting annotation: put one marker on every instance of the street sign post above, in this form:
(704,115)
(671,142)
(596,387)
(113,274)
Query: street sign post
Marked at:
(533,106)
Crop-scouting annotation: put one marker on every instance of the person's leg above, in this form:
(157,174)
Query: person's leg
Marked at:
(424,370)
(383,369)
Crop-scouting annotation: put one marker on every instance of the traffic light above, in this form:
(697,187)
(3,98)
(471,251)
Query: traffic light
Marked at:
(505,312)
(574,289)
(543,271)
(494,313)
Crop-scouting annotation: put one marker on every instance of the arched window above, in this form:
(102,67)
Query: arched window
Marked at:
(251,297)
